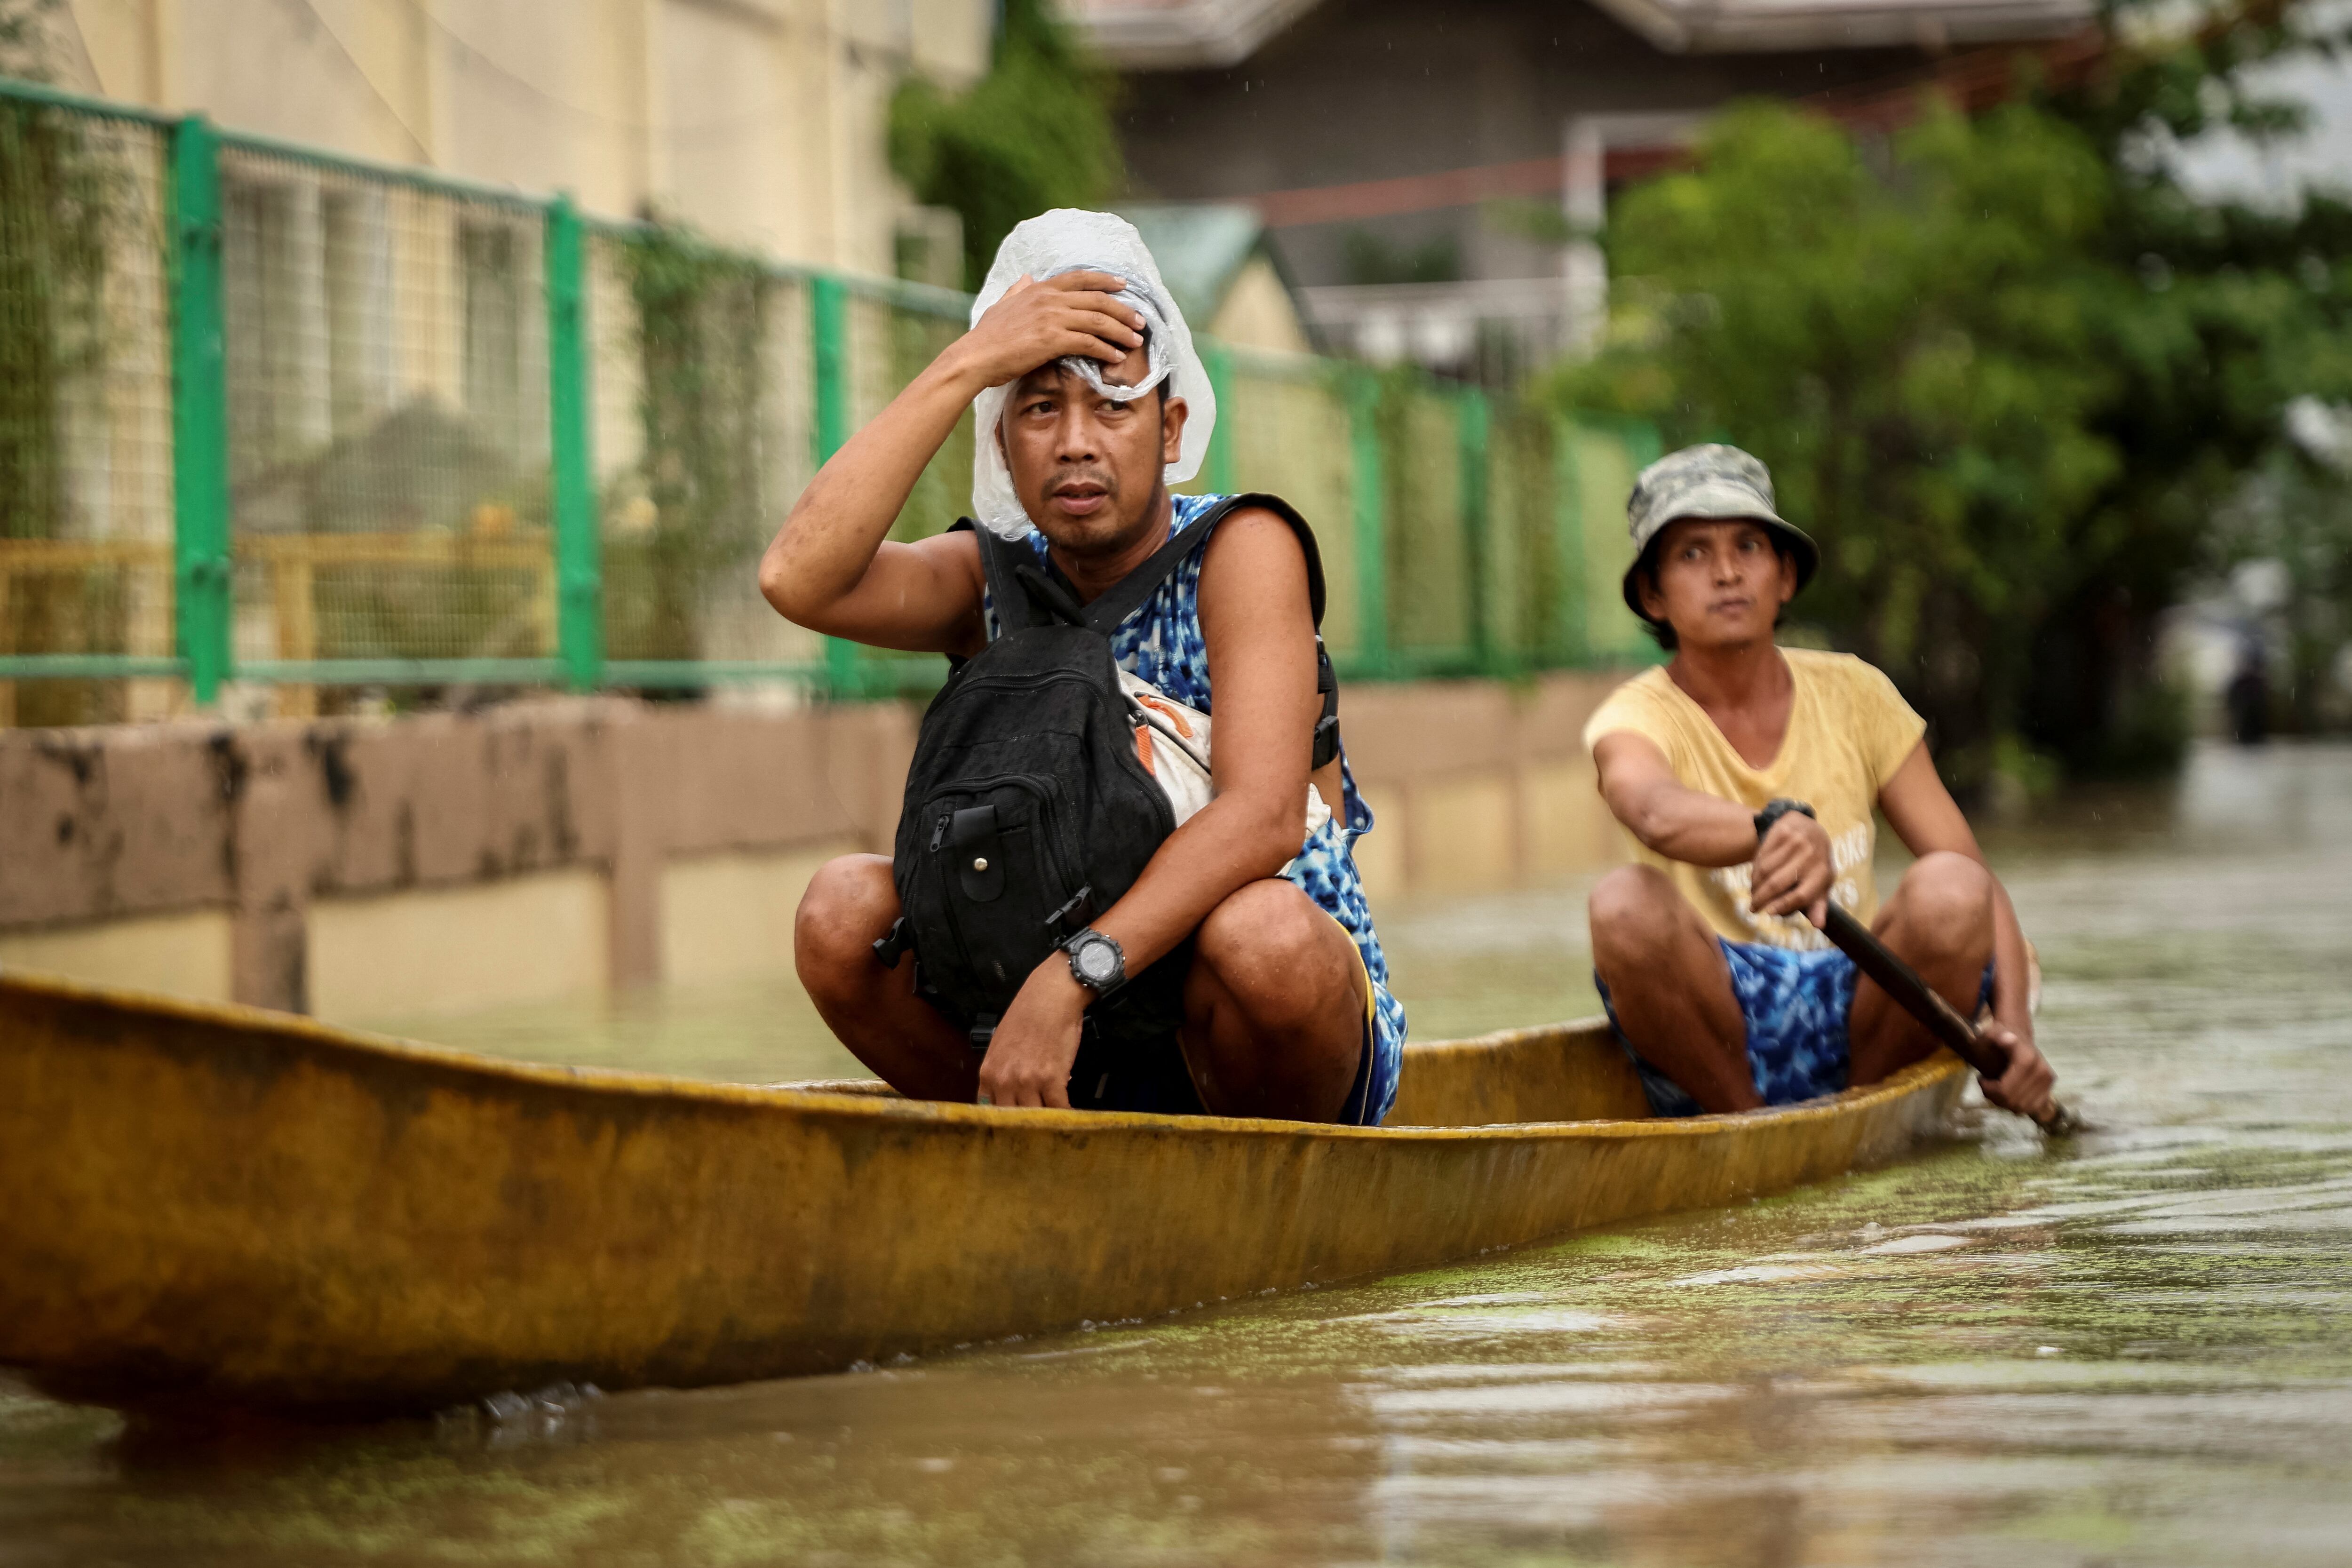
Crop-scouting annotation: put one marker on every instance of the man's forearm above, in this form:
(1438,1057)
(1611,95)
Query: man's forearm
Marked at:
(827,544)
(2013,967)
(1689,826)
(1232,842)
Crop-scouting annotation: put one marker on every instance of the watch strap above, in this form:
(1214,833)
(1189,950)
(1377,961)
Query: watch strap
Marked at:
(1774,810)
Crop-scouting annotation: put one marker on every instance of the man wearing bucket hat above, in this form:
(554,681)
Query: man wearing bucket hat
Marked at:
(1088,402)
(1748,775)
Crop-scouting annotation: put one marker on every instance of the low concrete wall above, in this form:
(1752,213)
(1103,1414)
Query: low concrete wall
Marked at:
(361,869)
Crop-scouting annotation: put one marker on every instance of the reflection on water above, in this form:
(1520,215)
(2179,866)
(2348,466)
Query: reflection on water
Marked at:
(2135,1348)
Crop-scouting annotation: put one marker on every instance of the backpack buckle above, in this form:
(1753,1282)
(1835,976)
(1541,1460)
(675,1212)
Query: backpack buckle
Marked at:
(1058,922)
(894,942)
(982,1030)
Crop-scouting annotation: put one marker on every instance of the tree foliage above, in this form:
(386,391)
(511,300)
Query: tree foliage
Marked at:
(2003,368)
(1036,132)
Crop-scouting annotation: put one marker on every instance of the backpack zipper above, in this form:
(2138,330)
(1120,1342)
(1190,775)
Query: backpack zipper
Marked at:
(1031,784)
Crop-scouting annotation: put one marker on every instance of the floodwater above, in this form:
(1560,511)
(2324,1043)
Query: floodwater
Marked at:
(2133,1349)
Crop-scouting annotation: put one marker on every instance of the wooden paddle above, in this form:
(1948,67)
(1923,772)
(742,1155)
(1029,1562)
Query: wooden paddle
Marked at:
(1917,997)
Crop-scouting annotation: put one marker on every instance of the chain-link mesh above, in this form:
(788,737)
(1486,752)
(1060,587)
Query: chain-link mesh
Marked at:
(1604,464)
(889,334)
(1530,542)
(1289,424)
(1428,543)
(85,406)
(389,443)
(386,356)
(703,420)
(890,338)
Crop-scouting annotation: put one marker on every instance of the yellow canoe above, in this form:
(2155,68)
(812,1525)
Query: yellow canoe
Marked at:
(229,1206)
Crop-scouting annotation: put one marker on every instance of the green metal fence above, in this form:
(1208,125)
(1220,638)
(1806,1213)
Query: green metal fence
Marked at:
(271,415)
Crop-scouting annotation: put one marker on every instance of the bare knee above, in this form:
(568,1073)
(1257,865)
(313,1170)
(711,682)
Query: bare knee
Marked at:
(1270,943)
(850,902)
(1946,902)
(1634,914)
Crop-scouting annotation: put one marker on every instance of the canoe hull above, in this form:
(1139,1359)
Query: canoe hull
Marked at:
(231,1206)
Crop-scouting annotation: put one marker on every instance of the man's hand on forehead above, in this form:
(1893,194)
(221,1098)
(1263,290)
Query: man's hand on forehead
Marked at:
(1041,320)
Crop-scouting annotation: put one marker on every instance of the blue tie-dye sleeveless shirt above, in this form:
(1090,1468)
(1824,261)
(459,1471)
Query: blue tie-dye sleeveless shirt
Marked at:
(1161,643)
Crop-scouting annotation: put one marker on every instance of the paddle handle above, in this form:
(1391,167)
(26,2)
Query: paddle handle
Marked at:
(1919,999)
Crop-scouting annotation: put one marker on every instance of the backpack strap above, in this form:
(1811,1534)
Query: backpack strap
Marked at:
(1126,596)
(1001,563)
(1005,565)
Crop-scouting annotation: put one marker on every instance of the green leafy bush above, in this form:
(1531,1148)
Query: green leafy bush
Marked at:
(2004,369)
(1034,133)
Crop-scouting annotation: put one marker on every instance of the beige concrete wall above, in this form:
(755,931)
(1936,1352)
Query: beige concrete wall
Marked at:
(1462,834)
(730,915)
(184,954)
(759,120)
(367,869)
(260,823)
(1380,854)
(453,950)
(1568,827)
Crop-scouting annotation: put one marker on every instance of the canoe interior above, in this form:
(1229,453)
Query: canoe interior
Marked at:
(227,1205)
(1556,1072)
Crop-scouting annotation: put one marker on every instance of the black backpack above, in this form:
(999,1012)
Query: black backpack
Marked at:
(1028,812)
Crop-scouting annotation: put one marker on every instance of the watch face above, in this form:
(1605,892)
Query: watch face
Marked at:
(1099,961)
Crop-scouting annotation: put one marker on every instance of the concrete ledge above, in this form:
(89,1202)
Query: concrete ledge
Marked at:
(729,915)
(533,938)
(334,864)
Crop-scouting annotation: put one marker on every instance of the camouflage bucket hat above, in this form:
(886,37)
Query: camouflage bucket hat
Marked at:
(1713,481)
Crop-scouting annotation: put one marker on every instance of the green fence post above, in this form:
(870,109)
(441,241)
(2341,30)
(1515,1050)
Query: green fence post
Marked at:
(1471,422)
(579,549)
(1368,490)
(203,587)
(1569,547)
(829,336)
(1218,471)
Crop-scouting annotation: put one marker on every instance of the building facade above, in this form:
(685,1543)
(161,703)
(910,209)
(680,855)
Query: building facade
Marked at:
(760,122)
(1422,169)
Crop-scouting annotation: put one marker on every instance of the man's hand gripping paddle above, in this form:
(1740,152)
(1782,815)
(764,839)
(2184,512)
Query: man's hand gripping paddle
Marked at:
(1915,996)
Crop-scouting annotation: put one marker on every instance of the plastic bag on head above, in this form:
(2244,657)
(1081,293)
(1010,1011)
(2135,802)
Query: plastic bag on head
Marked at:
(1071,239)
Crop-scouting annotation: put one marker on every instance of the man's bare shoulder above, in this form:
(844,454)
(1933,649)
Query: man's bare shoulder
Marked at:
(959,547)
(1248,545)
(955,557)
(1254,523)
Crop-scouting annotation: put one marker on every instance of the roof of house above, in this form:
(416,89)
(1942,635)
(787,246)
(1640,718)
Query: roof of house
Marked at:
(1201,247)
(1180,34)
(1737,27)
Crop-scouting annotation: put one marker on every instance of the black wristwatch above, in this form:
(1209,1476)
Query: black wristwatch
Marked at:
(1773,812)
(1096,961)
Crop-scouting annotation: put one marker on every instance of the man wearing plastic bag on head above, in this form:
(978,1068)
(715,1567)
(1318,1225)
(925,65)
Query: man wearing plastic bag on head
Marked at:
(1089,401)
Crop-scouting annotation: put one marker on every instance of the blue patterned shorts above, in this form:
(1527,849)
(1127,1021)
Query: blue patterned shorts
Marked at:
(1796,1004)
